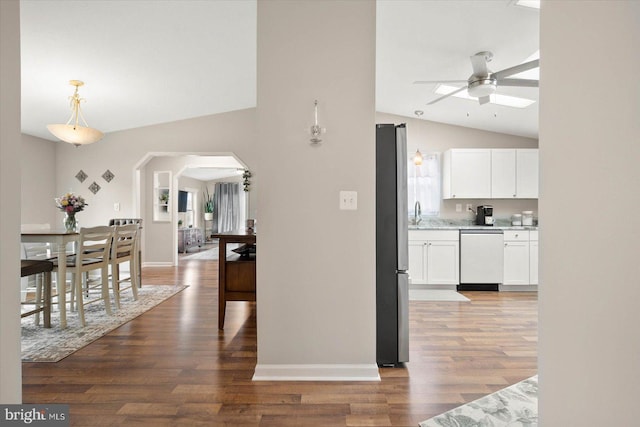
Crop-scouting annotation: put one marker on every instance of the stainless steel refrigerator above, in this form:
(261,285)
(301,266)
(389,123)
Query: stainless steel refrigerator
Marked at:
(392,248)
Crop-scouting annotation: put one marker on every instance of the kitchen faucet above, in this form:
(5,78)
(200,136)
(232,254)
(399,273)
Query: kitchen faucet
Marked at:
(417,213)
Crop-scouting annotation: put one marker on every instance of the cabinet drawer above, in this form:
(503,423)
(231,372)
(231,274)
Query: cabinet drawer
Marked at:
(422,235)
(533,235)
(516,235)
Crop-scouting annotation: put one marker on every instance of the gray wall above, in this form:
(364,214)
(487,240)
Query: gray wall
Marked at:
(433,137)
(38,165)
(316,269)
(10,154)
(589,271)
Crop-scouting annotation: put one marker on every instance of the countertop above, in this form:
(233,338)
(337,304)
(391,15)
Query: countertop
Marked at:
(471,227)
(452,224)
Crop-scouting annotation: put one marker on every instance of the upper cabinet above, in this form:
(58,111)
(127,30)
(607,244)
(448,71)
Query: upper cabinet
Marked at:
(527,173)
(490,174)
(466,174)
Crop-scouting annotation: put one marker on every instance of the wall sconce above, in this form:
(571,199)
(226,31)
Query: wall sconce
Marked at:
(417,159)
(315,130)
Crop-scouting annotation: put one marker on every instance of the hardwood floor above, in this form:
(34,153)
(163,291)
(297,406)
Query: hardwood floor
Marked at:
(172,367)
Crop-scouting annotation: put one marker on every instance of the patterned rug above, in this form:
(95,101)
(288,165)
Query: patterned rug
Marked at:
(514,406)
(53,344)
(435,295)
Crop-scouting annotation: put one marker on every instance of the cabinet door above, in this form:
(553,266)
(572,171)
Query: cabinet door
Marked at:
(527,173)
(503,174)
(470,174)
(516,263)
(533,262)
(443,265)
(416,262)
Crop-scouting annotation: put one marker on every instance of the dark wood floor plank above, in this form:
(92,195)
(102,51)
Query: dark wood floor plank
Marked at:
(173,367)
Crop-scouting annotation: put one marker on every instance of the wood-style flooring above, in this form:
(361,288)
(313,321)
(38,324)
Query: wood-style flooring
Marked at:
(172,367)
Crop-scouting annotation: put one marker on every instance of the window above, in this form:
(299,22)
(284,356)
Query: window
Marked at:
(424,185)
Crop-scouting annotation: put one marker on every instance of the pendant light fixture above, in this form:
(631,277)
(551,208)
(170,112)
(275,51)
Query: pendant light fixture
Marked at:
(417,159)
(72,132)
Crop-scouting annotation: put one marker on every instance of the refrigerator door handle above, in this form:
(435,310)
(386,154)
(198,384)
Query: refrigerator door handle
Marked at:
(402,202)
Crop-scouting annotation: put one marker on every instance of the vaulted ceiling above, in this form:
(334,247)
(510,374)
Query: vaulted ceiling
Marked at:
(148,62)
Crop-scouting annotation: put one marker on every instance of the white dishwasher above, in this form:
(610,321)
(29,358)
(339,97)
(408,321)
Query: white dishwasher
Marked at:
(481,257)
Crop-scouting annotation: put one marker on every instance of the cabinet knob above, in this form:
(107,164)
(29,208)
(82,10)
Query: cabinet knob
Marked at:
(453,195)
(506,244)
(514,195)
(429,244)
(516,236)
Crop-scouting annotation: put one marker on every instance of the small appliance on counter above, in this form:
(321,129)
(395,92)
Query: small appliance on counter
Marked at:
(527,217)
(484,215)
(516,220)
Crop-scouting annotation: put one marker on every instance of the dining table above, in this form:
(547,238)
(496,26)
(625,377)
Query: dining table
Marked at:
(60,238)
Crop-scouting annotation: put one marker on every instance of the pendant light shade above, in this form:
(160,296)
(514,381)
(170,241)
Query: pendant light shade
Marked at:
(417,159)
(72,132)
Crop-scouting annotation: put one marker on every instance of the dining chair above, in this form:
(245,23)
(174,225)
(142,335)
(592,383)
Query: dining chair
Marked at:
(92,253)
(138,258)
(41,270)
(123,250)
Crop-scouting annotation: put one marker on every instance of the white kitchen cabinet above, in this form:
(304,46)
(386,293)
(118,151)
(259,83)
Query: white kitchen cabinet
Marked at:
(516,257)
(533,257)
(443,262)
(503,174)
(417,271)
(527,174)
(434,257)
(466,174)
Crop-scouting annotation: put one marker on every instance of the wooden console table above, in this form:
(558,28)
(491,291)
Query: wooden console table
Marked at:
(236,274)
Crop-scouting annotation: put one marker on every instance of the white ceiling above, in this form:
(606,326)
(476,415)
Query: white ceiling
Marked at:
(148,62)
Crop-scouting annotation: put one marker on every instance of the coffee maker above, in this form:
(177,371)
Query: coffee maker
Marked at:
(484,215)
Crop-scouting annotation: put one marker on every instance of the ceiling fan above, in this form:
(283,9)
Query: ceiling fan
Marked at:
(483,82)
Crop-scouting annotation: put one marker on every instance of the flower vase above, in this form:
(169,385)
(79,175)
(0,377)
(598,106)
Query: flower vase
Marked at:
(70,222)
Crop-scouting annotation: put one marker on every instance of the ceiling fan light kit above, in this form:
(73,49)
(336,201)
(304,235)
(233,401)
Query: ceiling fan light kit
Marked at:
(483,83)
(74,133)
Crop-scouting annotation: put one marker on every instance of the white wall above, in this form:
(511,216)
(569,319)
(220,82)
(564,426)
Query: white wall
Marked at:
(589,348)
(10,152)
(316,264)
(120,152)
(38,166)
(433,137)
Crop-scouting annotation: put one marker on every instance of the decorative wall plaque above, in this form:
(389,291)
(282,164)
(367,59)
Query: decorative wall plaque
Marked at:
(108,175)
(81,176)
(94,188)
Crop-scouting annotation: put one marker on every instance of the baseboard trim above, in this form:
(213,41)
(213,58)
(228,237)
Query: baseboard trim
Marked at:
(355,372)
(518,288)
(436,287)
(157,264)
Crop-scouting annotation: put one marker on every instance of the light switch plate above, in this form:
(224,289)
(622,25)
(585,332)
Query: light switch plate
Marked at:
(116,207)
(348,200)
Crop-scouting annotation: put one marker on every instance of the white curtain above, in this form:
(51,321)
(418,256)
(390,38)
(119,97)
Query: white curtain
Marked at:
(227,206)
(424,185)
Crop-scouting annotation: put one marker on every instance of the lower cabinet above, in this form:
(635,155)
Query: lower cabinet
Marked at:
(533,257)
(516,257)
(434,257)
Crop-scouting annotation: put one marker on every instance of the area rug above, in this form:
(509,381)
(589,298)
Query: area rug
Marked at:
(514,406)
(206,254)
(435,295)
(54,344)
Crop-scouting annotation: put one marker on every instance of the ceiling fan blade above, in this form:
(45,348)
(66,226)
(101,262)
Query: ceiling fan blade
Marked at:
(447,95)
(518,82)
(423,82)
(484,99)
(516,69)
(479,64)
